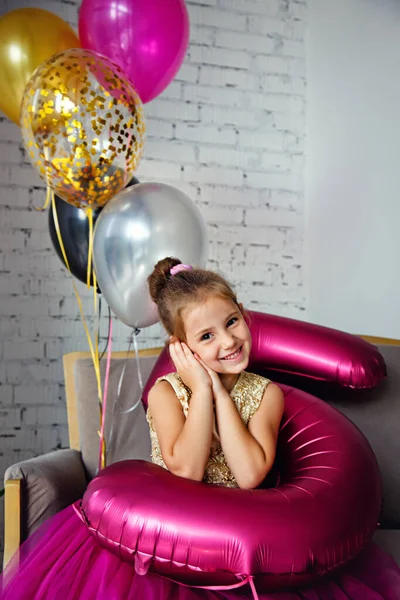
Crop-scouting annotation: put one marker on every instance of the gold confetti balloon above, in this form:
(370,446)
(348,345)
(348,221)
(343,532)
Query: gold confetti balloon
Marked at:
(83,127)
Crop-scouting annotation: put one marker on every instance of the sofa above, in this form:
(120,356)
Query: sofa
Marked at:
(38,488)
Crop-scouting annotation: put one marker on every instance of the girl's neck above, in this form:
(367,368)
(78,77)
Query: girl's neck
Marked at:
(229,381)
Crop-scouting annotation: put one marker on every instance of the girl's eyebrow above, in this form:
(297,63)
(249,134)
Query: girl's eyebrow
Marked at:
(208,329)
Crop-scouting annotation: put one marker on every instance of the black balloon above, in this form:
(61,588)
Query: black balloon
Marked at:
(74,229)
(133,181)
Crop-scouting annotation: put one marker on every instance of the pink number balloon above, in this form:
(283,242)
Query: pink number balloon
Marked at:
(148,39)
(321,510)
(316,513)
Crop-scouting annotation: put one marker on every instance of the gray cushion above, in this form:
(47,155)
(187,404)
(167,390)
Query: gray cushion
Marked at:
(130,437)
(377,414)
(389,540)
(50,482)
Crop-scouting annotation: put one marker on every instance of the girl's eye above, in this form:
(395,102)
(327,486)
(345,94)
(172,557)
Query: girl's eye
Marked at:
(232,321)
(205,337)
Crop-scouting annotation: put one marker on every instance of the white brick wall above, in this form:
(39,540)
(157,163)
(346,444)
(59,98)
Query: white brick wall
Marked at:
(229,132)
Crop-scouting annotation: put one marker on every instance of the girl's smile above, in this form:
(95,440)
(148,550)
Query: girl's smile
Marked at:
(234,355)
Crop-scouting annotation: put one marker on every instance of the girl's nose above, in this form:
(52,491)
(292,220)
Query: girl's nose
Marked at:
(227,341)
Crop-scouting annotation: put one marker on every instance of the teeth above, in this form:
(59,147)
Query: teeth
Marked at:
(232,356)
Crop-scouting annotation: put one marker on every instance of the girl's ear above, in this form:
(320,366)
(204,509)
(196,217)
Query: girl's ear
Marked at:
(243,311)
(174,338)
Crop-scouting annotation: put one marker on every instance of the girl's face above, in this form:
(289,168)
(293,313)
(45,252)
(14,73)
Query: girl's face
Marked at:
(218,333)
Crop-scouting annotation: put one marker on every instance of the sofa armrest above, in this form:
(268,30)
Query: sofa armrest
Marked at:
(48,483)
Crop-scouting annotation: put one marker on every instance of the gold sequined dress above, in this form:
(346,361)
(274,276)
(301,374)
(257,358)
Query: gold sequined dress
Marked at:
(247,394)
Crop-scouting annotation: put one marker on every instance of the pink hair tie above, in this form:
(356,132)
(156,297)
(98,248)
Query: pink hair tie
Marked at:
(178,268)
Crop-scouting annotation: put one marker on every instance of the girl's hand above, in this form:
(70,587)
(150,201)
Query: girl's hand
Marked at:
(216,382)
(193,374)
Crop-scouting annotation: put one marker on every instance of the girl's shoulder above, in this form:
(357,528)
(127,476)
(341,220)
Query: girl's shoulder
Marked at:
(181,390)
(170,377)
(251,381)
(248,394)
(255,377)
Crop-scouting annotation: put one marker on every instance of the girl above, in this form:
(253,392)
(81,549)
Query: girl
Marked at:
(211,421)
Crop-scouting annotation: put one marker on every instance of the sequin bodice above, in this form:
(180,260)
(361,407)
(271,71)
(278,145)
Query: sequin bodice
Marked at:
(246,394)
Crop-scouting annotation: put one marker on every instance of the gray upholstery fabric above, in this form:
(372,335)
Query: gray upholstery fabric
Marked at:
(389,540)
(130,438)
(377,414)
(49,483)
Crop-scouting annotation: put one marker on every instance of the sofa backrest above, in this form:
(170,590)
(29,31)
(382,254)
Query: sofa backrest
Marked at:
(130,435)
(375,412)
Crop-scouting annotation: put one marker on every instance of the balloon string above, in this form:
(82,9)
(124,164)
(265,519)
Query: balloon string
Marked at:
(134,334)
(133,337)
(124,367)
(119,386)
(253,589)
(95,290)
(96,363)
(98,317)
(49,192)
(102,451)
(89,214)
(135,345)
(109,319)
(97,337)
(247,579)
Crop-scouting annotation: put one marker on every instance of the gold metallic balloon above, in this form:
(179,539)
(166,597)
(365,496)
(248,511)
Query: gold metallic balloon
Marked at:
(28,37)
(83,127)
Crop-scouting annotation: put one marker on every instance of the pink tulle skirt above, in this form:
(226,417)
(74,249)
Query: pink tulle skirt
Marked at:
(62,561)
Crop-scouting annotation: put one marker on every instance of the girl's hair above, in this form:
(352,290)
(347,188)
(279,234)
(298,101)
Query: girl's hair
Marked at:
(173,293)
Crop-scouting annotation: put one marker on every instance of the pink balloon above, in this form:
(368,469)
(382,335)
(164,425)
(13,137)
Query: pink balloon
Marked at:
(322,503)
(320,511)
(148,39)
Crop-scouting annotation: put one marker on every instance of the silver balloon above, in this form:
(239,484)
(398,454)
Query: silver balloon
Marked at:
(136,229)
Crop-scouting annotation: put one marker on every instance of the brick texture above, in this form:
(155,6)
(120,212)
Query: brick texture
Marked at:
(229,131)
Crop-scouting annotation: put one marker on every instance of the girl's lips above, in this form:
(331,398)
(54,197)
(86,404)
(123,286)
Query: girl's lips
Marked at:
(234,355)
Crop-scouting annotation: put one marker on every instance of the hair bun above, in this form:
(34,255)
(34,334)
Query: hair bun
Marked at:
(160,276)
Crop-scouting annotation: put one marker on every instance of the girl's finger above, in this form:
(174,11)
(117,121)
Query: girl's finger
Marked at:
(180,353)
(173,355)
(197,357)
(187,351)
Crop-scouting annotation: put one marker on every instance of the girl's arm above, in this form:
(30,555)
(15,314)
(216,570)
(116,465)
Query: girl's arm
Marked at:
(249,452)
(185,443)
